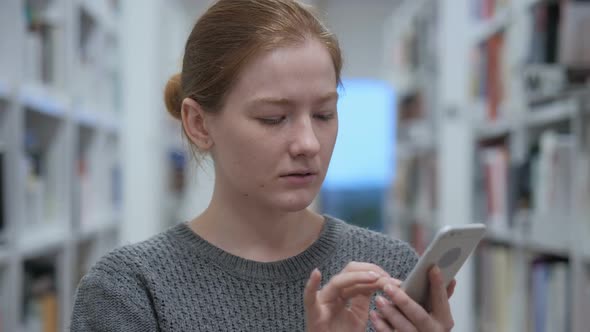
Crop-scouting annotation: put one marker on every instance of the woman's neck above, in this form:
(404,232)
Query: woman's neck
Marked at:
(255,233)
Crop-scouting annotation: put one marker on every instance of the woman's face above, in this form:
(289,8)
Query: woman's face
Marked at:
(274,137)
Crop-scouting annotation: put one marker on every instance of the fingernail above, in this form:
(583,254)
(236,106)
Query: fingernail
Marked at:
(374,317)
(380,300)
(373,274)
(388,289)
(396,281)
(316,270)
(436,269)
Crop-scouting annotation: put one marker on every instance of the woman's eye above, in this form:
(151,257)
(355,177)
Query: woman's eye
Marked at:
(325,116)
(272,120)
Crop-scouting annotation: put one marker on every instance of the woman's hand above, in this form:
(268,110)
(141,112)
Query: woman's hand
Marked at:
(343,303)
(408,316)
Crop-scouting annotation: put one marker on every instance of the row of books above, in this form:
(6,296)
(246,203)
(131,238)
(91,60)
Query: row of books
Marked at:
(41,309)
(3,216)
(94,193)
(3,304)
(542,184)
(489,76)
(482,10)
(418,46)
(416,179)
(511,296)
(43,39)
(97,52)
(44,43)
(39,195)
(415,199)
(556,29)
(554,41)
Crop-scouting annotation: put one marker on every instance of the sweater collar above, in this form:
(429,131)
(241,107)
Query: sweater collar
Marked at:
(292,268)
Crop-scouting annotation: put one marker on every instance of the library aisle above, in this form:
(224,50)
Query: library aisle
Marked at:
(492,126)
(494,122)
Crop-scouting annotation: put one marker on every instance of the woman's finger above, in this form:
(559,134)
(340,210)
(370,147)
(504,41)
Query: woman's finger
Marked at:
(335,287)
(311,288)
(439,300)
(379,322)
(410,309)
(362,266)
(451,288)
(361,289)
(393,316)
(369,289)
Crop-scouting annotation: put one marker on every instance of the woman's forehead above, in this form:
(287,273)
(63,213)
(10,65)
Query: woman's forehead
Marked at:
(287,74)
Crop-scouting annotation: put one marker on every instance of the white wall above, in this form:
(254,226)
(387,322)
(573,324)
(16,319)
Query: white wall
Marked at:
(142,148)
(359,28)
(153,37)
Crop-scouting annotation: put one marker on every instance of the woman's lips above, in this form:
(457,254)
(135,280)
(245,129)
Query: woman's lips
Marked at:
(299,179)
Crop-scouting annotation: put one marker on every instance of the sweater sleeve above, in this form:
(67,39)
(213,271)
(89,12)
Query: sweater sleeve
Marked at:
(113,301)
(407,257)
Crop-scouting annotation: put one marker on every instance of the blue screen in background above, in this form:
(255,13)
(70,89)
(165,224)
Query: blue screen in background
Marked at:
(364,151)
(363,165)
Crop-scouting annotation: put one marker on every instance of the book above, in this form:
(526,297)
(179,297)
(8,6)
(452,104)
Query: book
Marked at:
(41,309)
(573,50)
(552,187)
(492,187)
(483,10)
(549,296)
(85,193)
(3,197)
(495,293)
(544,39)
(34,163)
(489,75)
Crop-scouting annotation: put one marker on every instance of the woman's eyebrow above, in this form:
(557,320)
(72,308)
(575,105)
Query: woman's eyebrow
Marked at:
(328,97)
(290,102)
(272,100)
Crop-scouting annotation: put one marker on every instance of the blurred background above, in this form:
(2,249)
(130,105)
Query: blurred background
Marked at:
(451,112)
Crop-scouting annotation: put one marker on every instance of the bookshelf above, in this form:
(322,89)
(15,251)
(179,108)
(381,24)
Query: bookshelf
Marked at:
(60,168)
(509,116)
(413,52)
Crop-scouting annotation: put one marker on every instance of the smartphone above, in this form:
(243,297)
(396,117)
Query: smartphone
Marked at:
(450,248)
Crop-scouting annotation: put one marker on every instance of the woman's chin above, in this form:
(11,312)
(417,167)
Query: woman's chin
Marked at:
(294,204)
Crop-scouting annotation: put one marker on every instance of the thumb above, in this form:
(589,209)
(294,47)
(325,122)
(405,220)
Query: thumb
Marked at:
(438,294)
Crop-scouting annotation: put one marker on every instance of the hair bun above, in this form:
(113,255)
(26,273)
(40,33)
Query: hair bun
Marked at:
(173,96)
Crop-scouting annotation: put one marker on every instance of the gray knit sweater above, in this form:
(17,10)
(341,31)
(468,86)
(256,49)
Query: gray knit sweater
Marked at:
(177,281)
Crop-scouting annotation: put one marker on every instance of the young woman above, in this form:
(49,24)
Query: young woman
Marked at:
(257,92)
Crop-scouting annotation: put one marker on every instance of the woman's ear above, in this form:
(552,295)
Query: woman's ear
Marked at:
(195,124)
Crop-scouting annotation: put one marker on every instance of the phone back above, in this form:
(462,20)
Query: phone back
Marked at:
(449,250)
